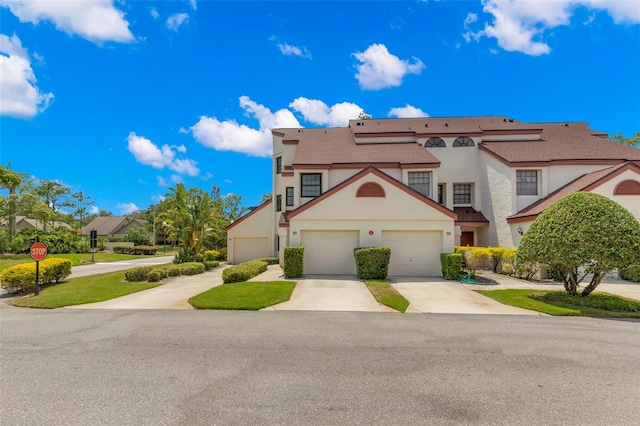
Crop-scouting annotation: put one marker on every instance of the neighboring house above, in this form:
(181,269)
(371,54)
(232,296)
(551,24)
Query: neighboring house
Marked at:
(23,222)
(112,226)
(423,185)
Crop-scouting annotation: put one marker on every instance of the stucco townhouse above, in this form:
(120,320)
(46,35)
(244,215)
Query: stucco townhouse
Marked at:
(423,185)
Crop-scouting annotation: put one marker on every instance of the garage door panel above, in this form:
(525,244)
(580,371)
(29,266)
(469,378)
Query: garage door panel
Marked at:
(414,253)
(245,249)
(329,252)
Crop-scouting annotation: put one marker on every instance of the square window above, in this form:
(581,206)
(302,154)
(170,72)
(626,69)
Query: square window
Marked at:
(310,184)
(289,196)
(526,182)
(421,182)
(461,193)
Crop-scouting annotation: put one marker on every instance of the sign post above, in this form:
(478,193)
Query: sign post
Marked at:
(94,243)
(38,253)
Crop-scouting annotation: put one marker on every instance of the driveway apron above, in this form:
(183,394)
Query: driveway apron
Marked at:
(436,295)
(331,293)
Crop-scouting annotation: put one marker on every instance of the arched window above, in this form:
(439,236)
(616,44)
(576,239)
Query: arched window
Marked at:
(627,187)
(435,143)
(463,141)
(370,189)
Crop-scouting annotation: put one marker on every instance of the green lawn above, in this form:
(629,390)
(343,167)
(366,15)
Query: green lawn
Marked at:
(559,303)
(387,295)
(77,258)
(244,296)
(76,291)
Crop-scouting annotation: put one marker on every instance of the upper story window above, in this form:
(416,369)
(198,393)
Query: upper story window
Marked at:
(421,182)
(278,165)
(310,184)
(461,193)
(289,196)
(526,182)
(441,193)
(463,141)
(278,203)
(435,143)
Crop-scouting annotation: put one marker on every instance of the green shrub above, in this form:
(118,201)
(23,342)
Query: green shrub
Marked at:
(136,250)
(223,254)
(451,265)
(138,236)
(172,270)
(478,258)
(293,262)
(630,273)
(22,277)
(243,271)
(138,274)
(209,265)
(211,255)
(270,260)
(497,253)
(191,268)
(372,263)
(186,256)
(154,276)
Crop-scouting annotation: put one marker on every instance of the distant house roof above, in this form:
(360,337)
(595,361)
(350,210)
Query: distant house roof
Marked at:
(38,224)
(110,225)
(584,183)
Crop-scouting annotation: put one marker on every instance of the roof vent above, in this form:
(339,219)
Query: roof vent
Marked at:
(566,124)
(511,120)
(426,124)
(359,123)
(446,124)
(504,119)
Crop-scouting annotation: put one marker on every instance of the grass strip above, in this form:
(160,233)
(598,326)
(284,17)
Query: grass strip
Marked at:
(387,295)
(558,303)
(77,291)
(244,296)
(77,259)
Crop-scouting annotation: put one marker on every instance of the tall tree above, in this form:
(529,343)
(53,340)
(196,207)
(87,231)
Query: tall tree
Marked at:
(11,181)
(54,195)
(80,204)
(633,141)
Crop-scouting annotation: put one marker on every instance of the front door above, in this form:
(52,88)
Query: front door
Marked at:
(466,238)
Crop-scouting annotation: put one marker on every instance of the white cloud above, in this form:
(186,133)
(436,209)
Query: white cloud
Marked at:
(94,210)
(228,181)
(158,198)
(207,176)
(176,20)
(317,112)
(146,152)
(520,25)
(176,178)
(228,135)
(180,148)
(289,50)
(379,69)
(407,111)
(154,13)
(96,20)
(193,4)
(161,181)
(19,95)
(127,208)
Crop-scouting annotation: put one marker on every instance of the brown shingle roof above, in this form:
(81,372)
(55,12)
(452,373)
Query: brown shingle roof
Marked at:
(467,215)
(583,183)
(441,125)
(109,225)
(562,142)
(337,146)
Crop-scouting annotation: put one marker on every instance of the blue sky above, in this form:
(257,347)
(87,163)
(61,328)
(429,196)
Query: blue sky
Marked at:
(122,99)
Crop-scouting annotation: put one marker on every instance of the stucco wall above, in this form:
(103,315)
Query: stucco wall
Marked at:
(629,202)
(259,224)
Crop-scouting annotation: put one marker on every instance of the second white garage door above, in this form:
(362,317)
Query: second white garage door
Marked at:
(329,252)
(250,248)
(414,253)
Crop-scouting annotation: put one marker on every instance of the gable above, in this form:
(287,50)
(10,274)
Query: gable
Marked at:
(392,201)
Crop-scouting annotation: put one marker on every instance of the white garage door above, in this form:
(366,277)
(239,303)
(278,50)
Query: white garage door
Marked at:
(250,248)
(414,253)
(329,252)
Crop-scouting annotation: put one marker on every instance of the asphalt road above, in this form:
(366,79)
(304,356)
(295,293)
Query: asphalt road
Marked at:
(102,268)
(127,367)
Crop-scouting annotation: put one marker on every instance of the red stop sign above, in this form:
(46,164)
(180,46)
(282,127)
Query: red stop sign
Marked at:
(38,251)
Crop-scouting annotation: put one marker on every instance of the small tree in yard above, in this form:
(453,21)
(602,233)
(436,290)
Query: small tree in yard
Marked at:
(582,234)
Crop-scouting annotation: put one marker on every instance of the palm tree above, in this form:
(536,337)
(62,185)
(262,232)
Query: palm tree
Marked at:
(10,180)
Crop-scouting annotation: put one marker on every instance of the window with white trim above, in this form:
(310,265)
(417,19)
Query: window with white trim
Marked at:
(461,193)
(526,182)
(421,182)
(289,196)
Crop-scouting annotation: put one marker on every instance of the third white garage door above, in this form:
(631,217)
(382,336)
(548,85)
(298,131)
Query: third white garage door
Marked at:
(329,252)
(414,253)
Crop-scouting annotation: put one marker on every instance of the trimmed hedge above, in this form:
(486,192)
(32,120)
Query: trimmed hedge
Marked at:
(372,263)
(138,274)
(451,264)
(243,271)
(293,262)
(191,268)
(136,250)
(209,265)
(211,255)
(270,260)
(22,277)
